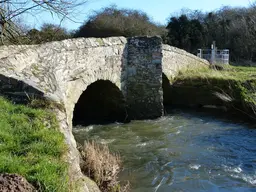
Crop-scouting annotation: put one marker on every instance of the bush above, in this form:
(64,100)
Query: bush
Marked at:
(111,21)
(48,32)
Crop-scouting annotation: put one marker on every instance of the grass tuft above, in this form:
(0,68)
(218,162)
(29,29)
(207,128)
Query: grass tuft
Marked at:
(32,146)
(102,167)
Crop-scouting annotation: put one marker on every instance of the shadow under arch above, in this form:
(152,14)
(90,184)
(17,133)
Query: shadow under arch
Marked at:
(102,102)
(167,91)
(18,91)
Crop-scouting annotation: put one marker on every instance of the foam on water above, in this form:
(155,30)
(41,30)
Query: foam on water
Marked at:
(233,169)
(247,178)
(194,166)
(106,141)
(142,144)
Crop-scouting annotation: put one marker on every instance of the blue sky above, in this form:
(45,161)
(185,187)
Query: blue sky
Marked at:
(158,10)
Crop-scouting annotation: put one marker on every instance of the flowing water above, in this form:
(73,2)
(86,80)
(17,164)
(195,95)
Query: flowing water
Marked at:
(181,152)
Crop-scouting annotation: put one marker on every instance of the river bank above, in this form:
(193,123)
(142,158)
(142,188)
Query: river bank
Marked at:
(230,90)
(33,153)
(32,146)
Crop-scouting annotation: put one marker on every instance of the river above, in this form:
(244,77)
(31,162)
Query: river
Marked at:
(181,152)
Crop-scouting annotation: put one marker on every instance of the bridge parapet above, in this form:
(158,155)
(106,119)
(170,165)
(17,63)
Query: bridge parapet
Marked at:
(176,60)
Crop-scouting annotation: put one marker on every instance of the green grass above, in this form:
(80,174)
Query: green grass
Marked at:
(228,73)
(32,146)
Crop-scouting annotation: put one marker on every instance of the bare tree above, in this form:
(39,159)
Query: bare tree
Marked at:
(12,9)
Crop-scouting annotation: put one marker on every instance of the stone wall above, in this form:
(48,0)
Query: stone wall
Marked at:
(176,60)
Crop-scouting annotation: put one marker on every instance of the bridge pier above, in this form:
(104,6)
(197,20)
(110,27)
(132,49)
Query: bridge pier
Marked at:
(144,94)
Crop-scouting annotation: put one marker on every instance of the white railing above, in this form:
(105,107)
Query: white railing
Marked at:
(214,56)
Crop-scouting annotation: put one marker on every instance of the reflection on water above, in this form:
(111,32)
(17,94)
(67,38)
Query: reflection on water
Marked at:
(181,152)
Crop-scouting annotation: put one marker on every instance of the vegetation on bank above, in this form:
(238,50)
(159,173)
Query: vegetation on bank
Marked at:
(32,146)
(221,71)
(102,166)
(232,87)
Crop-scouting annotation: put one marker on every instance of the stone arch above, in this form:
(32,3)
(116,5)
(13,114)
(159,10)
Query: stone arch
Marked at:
(101,102)
(76,87)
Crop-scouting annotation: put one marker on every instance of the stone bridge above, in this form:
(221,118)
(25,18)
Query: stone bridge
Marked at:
(130,69)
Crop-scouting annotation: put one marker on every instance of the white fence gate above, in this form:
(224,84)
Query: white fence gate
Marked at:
(213,55)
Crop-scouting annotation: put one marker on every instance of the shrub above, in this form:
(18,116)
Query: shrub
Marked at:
(111,21)
(102,166)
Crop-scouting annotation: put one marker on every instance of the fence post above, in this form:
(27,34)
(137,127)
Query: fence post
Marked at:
(213,53)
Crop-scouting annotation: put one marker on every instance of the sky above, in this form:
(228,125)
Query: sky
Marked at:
(158,10)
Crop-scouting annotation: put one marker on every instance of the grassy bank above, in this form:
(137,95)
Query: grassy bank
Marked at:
(32,146)
(231,87)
